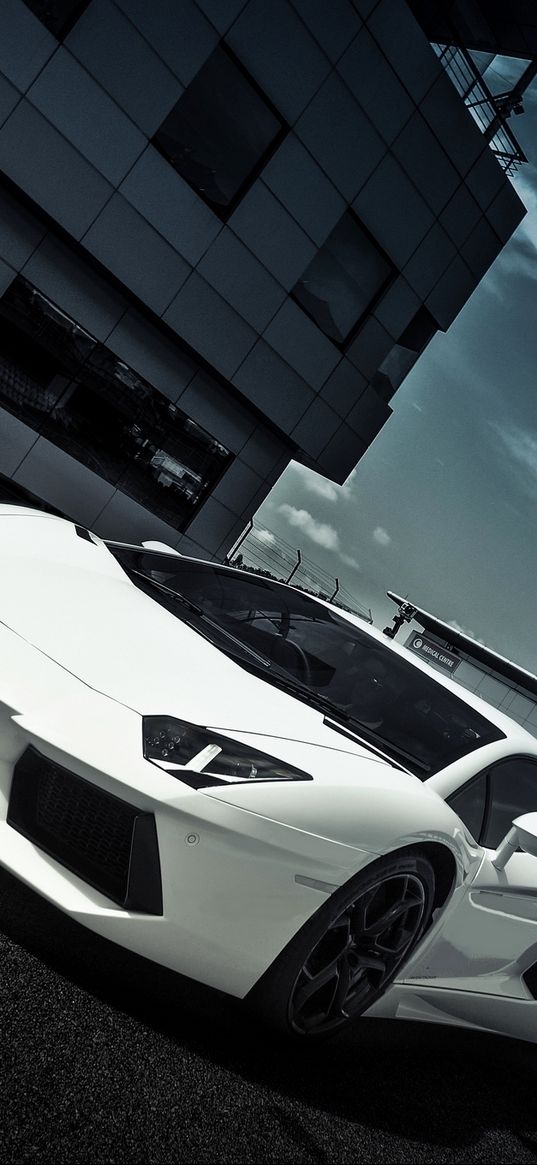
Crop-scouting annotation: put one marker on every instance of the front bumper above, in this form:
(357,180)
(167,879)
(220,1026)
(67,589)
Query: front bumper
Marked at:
(235,886)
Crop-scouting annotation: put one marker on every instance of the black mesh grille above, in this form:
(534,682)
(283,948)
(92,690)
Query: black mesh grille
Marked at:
(86,820)
(105,840)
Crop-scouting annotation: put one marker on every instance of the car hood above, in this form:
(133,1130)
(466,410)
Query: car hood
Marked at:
(118,641)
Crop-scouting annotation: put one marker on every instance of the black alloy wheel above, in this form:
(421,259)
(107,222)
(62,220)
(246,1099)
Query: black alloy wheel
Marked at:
(349,952)
(358,954)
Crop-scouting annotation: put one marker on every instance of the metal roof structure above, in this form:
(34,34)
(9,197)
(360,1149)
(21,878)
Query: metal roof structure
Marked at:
(468,36)
(463,644)
(493,26)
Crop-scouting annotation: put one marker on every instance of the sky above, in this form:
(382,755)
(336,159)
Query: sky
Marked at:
(443,505)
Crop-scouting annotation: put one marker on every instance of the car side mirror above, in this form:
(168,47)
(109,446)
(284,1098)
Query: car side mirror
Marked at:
(522,835)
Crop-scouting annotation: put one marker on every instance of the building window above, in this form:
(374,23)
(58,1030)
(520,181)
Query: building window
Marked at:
(58,16)
(220,133)
(61,381)
(402,357)
(344,280)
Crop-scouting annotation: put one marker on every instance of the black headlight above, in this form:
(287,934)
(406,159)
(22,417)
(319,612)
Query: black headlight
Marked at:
(202,758)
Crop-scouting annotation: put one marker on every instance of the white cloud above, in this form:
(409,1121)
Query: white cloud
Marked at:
(350,561)
(265,536)
(525,182)
(320,532)
(381,536)
(464,631)
(348,484)
(319,485)
(521,447)
(518,258)
(325,489)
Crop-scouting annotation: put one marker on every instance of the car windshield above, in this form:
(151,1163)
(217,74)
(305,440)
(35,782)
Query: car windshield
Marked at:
(323,657)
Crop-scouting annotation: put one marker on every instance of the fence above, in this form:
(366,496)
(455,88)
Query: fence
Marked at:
(264,552)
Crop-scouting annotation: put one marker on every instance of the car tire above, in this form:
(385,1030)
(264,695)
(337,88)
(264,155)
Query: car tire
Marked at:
(346,955)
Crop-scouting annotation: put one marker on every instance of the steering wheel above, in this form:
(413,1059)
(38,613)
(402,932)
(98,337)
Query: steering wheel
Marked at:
(284,661)
(306,669)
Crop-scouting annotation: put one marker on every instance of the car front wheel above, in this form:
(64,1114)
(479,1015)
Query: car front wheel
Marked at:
(348,953)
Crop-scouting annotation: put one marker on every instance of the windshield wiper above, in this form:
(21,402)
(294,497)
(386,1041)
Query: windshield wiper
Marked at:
(310,695)
(189,605)
(351,725)
(355,730)
(185,602)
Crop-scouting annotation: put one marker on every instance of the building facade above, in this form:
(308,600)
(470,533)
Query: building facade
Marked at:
(476,667)
(228,228)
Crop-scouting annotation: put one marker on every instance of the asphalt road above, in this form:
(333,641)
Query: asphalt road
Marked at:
(106,1058)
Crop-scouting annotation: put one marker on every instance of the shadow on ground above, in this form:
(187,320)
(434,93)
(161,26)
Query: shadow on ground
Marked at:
(71,996)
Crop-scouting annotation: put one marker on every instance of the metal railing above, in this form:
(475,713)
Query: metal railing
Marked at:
(488,110)
(262,551)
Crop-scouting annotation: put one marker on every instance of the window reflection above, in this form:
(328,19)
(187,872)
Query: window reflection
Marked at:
(513,792)
(402,357)
(398,706)
(73,390)
(470,803)
(219,132)
(340,284)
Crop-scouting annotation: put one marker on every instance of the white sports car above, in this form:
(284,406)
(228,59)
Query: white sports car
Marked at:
(258,790)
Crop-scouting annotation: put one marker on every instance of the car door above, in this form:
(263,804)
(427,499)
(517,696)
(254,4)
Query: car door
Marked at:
(484,950)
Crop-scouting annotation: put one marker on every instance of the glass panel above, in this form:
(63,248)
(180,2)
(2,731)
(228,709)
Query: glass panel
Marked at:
(40,349)
(357,254)
(59,380)
(343,279)
(385,697)
(27,384)
(469,804)
(47,327)
(219,131)
(513,791)
(175,461)
(93,428)
(58,16)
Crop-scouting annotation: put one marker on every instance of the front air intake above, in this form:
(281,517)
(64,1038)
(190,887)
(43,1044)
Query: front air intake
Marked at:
(106,841)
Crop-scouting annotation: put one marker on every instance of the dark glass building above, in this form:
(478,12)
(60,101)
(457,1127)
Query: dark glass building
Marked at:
(228,228)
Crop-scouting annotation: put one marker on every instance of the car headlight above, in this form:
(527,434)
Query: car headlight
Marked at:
(203,758)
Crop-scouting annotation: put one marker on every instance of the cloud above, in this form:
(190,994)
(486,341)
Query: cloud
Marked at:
(316,484)
(464,631)
(381,536)
(525,182)
(521,448)
(319,532)
(518,259)
(325,489)
(350,561)
(348,484)
(265,536)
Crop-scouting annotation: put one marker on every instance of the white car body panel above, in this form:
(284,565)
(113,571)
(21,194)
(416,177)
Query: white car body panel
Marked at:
(248,854)
(84,655)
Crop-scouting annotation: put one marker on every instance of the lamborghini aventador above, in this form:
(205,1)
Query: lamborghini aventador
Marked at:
(260,791)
